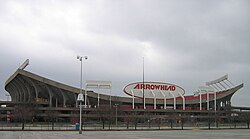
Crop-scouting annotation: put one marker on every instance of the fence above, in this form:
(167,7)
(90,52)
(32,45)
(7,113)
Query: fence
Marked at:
(122,126)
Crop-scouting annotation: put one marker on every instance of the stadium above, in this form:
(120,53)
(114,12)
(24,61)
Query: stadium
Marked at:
(147,102)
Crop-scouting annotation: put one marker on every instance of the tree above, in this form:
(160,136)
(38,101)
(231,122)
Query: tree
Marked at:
(103,113)
(24,112)
(51,117)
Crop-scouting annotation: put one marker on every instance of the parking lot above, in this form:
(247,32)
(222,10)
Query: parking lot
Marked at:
(159,134)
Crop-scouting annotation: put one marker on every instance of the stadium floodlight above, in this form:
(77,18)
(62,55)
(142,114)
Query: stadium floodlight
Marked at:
(99,85)
(80,96)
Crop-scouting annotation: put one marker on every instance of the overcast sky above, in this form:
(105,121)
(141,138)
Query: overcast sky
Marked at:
(185,42)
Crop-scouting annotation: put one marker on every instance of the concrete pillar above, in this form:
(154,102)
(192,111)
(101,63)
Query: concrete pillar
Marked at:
(165,100)
(50,94)
(37,89)
(25,91)
(154,98)
(183,101)
(207,101)
(174,100)
(19,96)
(200,102)
(64,97)
(133,99)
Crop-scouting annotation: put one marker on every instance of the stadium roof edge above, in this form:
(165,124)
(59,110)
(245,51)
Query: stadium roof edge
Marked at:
(12,77)
(41,79)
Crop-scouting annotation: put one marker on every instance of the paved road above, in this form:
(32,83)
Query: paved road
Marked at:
(166,134)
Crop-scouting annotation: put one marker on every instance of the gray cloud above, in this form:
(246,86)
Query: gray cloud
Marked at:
(183,42)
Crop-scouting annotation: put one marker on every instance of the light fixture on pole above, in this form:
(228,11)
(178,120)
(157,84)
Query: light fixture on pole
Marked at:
(80,96)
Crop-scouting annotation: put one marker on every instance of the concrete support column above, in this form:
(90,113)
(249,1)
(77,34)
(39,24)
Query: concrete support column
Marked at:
(200,102)
(29,92)
(64,97)
(133,99)
(215,97)
(76,104)
(37,89)
(174,99)
(85,98)
(19,96)
(23,89)
(56,103)
(144,104)
(183,101)
(98,96)
(154,98)
(12,93)
(98,100)
(110,101)
(207,101)
(50,95)
(165,100)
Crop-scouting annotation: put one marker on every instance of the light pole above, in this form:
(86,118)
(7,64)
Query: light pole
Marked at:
(116,105)
(80,96)
(143,94)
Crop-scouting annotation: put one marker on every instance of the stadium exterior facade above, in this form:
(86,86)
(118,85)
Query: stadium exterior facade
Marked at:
(26,87)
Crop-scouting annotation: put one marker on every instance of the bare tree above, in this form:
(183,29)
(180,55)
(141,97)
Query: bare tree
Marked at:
(51,116)
(24,112)
(245,117)
(103,113)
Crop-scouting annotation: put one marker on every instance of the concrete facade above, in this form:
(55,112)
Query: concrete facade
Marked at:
(24,86)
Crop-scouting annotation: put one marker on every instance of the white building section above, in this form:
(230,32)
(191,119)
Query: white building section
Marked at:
(90,84)
(183,101)
(155,91)
(220,84)
(204,90)
(165,100)
(161,90)
(133,99)
(174,100)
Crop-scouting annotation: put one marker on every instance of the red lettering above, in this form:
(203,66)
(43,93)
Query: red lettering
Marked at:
(152,87)
(137,86)
(173,88)
(162,87)
(168,87)
(157,87)
(142,86)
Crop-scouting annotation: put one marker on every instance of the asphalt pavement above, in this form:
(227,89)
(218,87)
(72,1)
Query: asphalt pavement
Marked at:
(158,134)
